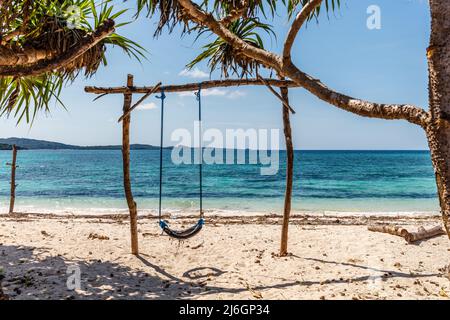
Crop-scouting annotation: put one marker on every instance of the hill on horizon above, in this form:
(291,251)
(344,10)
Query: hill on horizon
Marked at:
(34,144)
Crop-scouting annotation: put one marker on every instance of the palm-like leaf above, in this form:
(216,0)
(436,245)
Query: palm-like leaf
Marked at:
(222,55)
(44,25)
(171,13)
(218,53)
(251,10)
(293,5)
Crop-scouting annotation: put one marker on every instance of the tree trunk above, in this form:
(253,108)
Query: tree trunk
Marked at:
(438,130)
(289,172)
(13,179)
(126,169)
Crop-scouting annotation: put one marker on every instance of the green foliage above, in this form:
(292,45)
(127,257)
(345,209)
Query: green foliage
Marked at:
(55,26)
(265,8)
(23,97)
(250,28)
(292,6)
(221,54)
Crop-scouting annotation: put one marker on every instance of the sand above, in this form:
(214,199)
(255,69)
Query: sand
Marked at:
(232,258)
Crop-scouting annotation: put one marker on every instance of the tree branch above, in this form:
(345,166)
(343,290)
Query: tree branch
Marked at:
(48,65)
(148,94)
(28,55)
(193,86)
(235,14)
(287,69)
(196,14)
(300,19)
(276,94)
(360,107)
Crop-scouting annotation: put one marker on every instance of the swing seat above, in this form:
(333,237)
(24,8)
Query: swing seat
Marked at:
(182,234)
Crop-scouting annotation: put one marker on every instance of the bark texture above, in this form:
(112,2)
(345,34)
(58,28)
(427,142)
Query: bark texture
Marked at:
(13,57)
(390,229)
(194,86)
(55,63)
(410,237)
(289,172)
(132,207)
(438,129)
(423,234)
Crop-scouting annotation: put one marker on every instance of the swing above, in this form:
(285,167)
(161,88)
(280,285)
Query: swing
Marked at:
(192,231)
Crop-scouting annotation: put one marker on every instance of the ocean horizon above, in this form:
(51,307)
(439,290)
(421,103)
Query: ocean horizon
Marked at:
(336,181)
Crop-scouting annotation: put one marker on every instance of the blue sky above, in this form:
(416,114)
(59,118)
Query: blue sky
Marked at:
(386,65)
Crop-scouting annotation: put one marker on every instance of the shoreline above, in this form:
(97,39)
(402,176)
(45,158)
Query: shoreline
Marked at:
(182,212)
(330,218)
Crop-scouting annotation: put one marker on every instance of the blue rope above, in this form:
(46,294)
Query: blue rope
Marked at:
(162,97)
(199,99)
(163,224)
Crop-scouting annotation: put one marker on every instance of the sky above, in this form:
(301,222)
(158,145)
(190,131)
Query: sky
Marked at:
(382,65)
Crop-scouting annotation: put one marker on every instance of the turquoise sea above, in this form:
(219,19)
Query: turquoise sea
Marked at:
(336,181)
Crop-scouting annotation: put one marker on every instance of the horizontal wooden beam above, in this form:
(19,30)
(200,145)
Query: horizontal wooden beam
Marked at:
(193,86)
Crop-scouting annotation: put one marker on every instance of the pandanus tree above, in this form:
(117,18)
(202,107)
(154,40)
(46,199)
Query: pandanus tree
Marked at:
(47,43)
(232,50)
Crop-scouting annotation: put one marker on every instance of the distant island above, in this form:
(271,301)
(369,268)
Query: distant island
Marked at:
(32,144)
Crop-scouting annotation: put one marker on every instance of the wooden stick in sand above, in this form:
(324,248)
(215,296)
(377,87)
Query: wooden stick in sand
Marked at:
(13,179)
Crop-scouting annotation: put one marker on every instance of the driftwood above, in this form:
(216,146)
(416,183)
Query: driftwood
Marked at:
(410,237)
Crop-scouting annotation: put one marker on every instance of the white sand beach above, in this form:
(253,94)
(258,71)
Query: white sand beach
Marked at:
(232,258)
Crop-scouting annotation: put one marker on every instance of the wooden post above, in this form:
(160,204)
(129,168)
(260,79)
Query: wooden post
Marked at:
(13,179)
(126,167)
(289,171)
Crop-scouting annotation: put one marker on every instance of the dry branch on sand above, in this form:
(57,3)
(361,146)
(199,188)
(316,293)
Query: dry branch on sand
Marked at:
(410,237)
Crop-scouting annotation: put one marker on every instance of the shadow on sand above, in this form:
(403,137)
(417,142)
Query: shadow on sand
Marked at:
(27,276)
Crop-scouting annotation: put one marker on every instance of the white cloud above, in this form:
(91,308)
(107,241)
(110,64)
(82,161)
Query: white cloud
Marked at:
(215,92)
(237,94)
(186,94)
(195,73)
(147,106)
